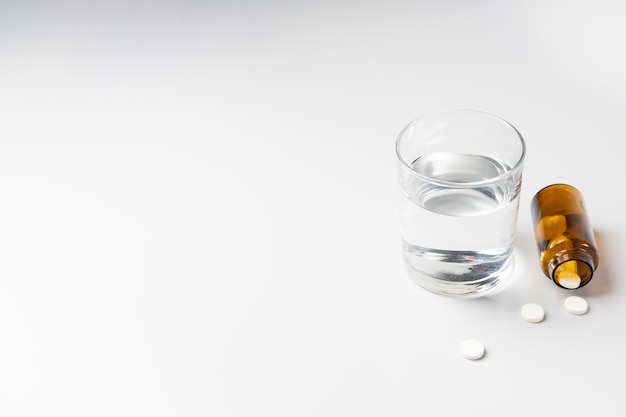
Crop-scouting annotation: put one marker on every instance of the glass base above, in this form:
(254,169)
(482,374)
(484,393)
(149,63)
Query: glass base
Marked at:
(444,280)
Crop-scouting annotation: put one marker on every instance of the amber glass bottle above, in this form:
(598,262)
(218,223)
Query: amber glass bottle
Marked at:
(567,248)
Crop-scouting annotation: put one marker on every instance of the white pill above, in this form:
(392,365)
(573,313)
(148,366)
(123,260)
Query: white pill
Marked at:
(532,313)
(472,349)
(569,280)
(576,305)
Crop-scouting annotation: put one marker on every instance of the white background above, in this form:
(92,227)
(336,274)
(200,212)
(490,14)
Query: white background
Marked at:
(198,207)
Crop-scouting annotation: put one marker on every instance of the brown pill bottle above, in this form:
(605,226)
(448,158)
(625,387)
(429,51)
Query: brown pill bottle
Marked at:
(568,254)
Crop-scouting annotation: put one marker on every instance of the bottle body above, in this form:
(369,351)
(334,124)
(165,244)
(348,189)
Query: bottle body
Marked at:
(567,249)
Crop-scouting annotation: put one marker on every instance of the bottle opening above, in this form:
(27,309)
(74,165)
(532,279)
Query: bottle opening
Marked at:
(572,274)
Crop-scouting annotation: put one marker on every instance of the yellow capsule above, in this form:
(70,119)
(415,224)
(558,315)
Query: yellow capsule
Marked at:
(559,243)
(570,266)
(549,227)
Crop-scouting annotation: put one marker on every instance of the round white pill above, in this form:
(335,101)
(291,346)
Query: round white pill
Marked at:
(472,349)
(576,305)
(532,313)
(569,280)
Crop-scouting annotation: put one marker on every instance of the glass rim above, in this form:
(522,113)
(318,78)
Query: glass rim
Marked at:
(518,164)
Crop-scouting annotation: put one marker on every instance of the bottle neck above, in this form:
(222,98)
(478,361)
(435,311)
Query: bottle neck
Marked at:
(571,263)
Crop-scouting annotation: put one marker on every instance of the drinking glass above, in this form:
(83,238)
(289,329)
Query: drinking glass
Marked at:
(459,174)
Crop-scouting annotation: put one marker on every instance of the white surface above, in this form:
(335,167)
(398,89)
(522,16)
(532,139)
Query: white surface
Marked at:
(199,212)
(532,313)
(576,305)
(472,349)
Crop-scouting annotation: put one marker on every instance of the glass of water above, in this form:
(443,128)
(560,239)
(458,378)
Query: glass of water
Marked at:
(459,174)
